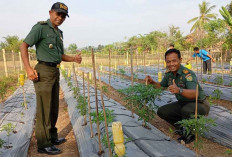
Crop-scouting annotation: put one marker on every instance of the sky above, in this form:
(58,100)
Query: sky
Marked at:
(94,22)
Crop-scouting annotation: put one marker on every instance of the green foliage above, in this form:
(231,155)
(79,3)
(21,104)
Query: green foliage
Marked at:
(143,99)
(11,43)
(76,91)
(6,83)
(203,80)
(226,15)
(217,94)
(210,100)
(197,126)
(219,80)
(8,128)
(122,71)
(109,116)
(82,105)
(72,48)
(228,152)
(69,83)
(230,84)
(105,89)
(1,143)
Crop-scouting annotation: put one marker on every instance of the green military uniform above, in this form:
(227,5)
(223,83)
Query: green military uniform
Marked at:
(49,50)
(184,107)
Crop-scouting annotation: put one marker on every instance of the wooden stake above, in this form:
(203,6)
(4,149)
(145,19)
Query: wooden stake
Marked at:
(20,61)
(132,79)
(144,67)
(196,136)
(75,78)
(96,101)
(5,65)
(83,75)
(109,67)
(13,59)
(24,98)
(104,112)
(89,108)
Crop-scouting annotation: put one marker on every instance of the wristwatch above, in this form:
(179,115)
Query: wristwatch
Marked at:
(180,90)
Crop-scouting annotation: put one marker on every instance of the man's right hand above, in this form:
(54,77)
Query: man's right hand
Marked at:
(32,74)
(148,79)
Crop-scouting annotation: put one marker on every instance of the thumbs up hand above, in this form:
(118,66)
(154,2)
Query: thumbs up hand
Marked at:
(174,88)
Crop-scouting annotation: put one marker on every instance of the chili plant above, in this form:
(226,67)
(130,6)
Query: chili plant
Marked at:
(218,80)
(82,107)
(203,80)
(105,89)
(8,128)
(76,91)
(217,94)
(143,99)
(197,127)
(122,71)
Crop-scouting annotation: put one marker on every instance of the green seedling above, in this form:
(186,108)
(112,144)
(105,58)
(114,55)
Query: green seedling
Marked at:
(109,116)
(82,107)
(69,84)
(228,152)
(8,128)
(105,89)
(122,71)
(171,131)
(217,94)
(76,91)
(197,127)
(1,143)
(230,84)
(203,80)
(143,99)
(210,100)
(218,80)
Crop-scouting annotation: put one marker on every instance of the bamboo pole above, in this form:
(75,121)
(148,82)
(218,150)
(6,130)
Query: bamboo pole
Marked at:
(83,75)
(222,67)
(89,108)
(96,101)
(132,79)
(24,98)
(13,59)
(104,112)
(75,78)
(196,118)
(144,68)
(20,61)
(5,64)
(109,67)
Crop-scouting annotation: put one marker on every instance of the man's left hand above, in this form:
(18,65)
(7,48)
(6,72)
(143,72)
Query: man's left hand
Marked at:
(174,88)
(213,60)
(78,58)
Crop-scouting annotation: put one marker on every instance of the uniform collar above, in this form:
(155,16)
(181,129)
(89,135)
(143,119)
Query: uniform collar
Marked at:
(50,25)
(180,69)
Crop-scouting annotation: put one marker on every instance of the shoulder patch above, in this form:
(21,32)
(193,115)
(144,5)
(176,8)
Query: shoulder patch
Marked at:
(185,71)
(167,71)
(189,78)
(42,22)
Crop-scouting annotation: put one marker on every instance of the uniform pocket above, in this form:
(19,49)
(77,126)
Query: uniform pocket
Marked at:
(51,39)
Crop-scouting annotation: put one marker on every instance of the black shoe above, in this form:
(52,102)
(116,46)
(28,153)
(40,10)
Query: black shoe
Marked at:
(52,150)
(58,141)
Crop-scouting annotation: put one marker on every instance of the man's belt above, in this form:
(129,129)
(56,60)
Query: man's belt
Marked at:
(50,64)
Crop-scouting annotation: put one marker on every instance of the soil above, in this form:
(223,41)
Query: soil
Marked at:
(69,148)
(210,149)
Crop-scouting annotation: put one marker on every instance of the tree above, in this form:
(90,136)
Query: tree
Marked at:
(205,17)
(11,43)
(72,48)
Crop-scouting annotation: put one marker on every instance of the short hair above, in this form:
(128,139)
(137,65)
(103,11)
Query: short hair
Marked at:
(171,45)
(196,49)
(173,51)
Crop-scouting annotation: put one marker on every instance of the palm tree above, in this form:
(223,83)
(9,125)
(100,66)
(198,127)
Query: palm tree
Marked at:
(205,17)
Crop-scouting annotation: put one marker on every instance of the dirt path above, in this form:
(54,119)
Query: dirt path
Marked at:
(69,148)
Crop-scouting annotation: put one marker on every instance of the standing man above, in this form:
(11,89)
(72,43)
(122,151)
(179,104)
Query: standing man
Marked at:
(203,54)
(182,82)
(48,40)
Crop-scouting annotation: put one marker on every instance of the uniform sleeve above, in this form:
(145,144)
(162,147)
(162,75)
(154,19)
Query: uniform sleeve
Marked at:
(194,55)
(34,35)
(191,81)
(164,82)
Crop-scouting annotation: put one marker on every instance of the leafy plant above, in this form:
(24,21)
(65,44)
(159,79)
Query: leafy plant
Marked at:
(230,84)
(8,128)
(122,71)
(218,80)
(143,99)
(197,127)
(203,80)
(228,152)
(105,89)
(82,107)
(109,116)
(1,143)
(217,94)
(76,91)
(69,83)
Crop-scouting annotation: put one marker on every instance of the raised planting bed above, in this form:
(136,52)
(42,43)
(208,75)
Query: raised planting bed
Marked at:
(17,121)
